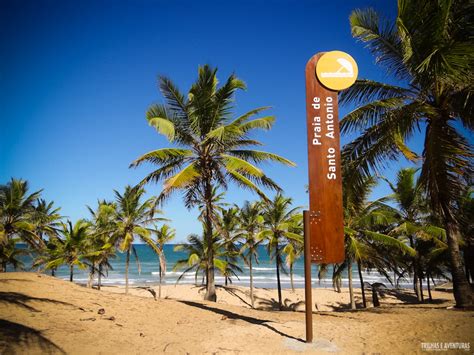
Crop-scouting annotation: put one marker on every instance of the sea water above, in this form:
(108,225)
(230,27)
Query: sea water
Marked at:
(264,273)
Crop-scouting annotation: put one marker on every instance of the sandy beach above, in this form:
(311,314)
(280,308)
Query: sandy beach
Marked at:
(42,314)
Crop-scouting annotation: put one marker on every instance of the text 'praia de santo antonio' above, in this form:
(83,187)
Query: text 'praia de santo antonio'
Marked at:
(324,129)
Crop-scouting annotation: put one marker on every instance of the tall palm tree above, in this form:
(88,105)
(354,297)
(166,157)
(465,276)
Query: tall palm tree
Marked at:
(164,235)
(278,218)
(466,208)
(213,148)
(132,220)
(71,248)
(16,209)
(429,47)
(251,221)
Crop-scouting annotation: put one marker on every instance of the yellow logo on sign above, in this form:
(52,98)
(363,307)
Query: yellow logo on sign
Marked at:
(336,70)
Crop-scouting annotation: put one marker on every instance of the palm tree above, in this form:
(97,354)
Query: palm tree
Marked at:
(71,248)
(163,235)
(412,221)
(278,218)
(227,226)
(101,245)
(251,221)
(294,249)
(365,244)
(213,147)
(10,255)
(196,259)
(131,220)
(466,209)
(16,209)
(46,219)
(429,47)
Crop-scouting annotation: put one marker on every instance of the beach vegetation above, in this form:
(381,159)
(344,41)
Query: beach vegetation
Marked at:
(251,222)
(70,247)
(428,50)
(279,218)
(213,147)
(163,235)
(134,219)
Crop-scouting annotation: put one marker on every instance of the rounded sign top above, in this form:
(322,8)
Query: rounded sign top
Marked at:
(336,70)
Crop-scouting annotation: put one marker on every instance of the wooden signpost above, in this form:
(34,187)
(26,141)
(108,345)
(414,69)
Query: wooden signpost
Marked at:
(326,74)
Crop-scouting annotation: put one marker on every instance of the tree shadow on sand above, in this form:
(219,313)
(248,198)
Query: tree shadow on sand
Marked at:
(21,300)
(410,298)
(235,292)
(236,316)
(273,305)
(16,338)
(14,280)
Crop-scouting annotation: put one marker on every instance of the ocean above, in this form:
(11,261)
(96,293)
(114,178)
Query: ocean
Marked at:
(264,273)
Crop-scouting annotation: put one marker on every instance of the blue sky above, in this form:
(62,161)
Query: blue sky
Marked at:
(76,78)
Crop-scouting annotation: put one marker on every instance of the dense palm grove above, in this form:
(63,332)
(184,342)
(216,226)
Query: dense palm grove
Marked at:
(423,230)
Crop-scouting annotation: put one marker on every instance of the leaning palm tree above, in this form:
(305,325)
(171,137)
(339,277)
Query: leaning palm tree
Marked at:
(429,47)
(16,209)
(278,218)
(251,221)
(131,220)
(213,147)
(163,235)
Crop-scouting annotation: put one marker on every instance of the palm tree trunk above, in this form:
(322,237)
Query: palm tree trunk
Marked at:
(278,275)
(291,278)
(462,290)
(210,287)
(415,272)
(71,272)
(251,281)
(159,285)
(362,287)
(91,276)
(127,263)
(53,272)
(429,287)
(469,262)
(351,290)
(421,290)
(375,297)
(99,278)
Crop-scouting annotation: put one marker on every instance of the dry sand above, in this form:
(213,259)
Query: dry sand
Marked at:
(42,314)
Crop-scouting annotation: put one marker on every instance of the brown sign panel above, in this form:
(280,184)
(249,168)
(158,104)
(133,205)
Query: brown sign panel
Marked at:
(324,168)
